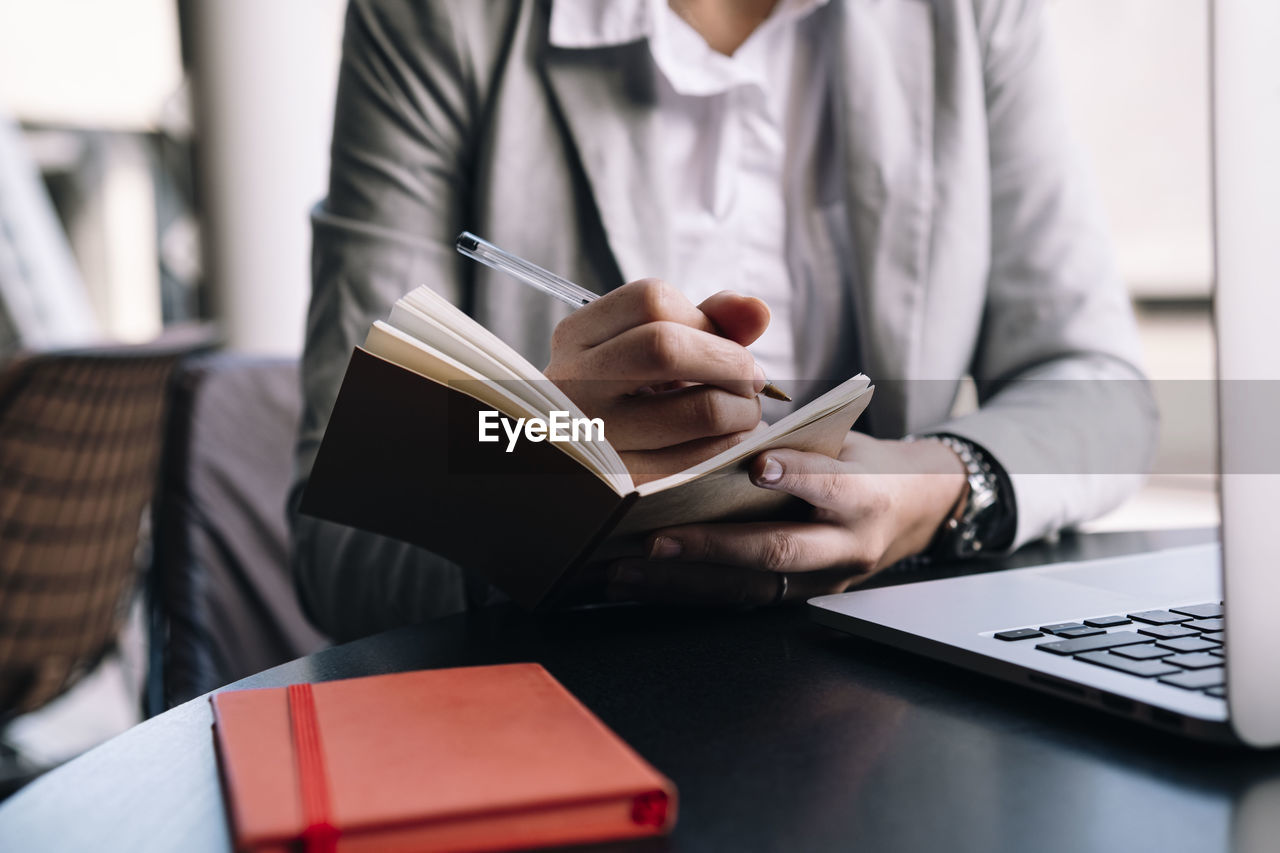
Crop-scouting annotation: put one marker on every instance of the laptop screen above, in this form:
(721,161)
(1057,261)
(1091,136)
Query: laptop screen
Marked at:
(1178,106)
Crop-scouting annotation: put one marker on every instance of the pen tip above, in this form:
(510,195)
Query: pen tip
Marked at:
(773,392)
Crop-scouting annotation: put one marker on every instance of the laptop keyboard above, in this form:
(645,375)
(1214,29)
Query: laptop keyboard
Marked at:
(1181,646)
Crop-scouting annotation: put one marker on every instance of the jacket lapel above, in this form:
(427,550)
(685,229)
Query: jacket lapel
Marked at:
(608,101)
(884,100)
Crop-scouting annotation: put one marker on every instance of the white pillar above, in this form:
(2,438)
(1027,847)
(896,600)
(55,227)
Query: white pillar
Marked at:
(265,76)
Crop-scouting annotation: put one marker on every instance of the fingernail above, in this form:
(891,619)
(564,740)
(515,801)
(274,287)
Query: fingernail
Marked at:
(664,548)
(761,380)
(624,579)
(626,575)
(771,473)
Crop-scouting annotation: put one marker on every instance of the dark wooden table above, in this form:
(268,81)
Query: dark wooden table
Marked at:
(781,735)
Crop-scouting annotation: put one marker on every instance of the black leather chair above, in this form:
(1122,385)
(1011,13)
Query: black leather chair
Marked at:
(221,597)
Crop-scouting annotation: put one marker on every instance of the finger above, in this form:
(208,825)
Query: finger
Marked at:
(766,546)
(814,478)
(679,583)
(802,586)
(718,586)
(659,420)
(648,300)
(647,465)
(662,352)
(739,318)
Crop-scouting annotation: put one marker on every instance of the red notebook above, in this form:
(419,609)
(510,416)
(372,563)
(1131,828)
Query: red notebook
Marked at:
(479,758)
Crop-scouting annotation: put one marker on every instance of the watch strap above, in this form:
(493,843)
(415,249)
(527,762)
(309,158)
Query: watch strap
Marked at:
(978,523)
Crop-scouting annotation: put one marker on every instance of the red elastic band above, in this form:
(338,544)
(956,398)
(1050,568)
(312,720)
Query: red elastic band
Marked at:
(319,834)
(650,808)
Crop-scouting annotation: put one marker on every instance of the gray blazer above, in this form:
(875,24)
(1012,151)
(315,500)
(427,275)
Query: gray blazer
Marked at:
(980,247)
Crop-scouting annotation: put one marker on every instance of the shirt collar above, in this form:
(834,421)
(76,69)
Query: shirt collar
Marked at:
(585,24)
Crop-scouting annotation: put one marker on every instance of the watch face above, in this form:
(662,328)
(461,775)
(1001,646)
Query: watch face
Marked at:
(982,500)
(981,497)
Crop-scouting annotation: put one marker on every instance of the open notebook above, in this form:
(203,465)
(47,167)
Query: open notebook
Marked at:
(402,456)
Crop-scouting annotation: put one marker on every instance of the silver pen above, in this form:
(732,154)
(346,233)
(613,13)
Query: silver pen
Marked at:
(548,282)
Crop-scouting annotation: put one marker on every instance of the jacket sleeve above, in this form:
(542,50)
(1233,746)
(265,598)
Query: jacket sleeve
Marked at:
(1064,405)
(406,96)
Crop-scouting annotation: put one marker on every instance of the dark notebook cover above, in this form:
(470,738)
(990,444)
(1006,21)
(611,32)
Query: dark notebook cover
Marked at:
(389,464)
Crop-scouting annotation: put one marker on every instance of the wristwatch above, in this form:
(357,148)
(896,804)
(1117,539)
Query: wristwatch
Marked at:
(975,521)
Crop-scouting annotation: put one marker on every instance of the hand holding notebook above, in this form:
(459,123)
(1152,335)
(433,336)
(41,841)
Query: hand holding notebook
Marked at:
(403,456)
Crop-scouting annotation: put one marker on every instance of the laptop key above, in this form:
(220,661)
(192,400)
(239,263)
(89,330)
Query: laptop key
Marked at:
(1079,645)
(1219,651)
(1018,634)
(1166,632)
(1220,691)
(1195,660)
(1060,626)
(1140,668)
(1107,621)
(1197,679)
(1187,644)
(1210,610)
(1214,636)
(1204,624)
(1145,651)
(1159,617)
(1082,631)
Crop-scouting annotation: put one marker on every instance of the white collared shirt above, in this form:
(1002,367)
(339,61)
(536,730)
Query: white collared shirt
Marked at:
(739,136)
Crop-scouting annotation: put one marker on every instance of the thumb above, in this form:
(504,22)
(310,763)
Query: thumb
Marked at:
(739,318)
(814,478)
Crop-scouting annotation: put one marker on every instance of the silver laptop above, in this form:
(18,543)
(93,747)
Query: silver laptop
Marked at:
(1184,639)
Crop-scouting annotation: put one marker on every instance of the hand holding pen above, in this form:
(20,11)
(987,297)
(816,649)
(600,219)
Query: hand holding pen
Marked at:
(548,282)
(647,335)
